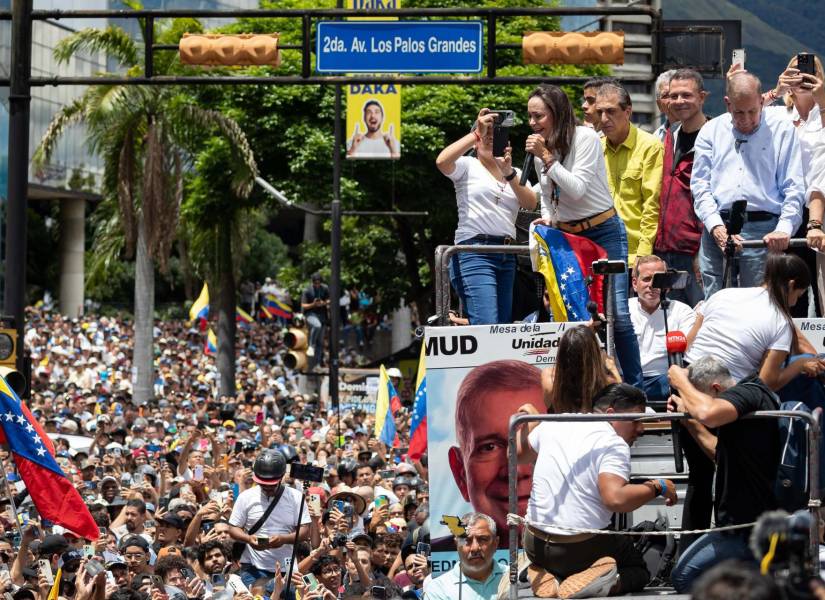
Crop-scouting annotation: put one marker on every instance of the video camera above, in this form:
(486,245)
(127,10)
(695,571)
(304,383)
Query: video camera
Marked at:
(783,541)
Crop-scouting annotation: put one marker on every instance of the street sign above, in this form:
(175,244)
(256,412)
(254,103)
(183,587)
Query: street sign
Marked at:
(399,47)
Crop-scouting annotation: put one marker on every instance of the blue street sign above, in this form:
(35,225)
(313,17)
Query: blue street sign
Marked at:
(399,47)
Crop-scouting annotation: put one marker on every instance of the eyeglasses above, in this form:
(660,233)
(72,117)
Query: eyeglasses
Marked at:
(331,570)
(134,556)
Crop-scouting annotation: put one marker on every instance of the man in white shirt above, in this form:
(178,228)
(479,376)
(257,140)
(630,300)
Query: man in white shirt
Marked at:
(581,477)
(649,324)
(271,542)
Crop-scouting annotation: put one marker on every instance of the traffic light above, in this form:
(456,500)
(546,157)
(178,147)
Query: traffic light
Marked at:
(8,358)
(243,50)
(576,48)
(296,340)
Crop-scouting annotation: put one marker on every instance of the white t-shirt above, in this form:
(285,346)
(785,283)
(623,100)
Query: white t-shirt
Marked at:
(250,506)
(581,178)
(486,206)
(566,476)
(739,326)
(376,147)
(650,329)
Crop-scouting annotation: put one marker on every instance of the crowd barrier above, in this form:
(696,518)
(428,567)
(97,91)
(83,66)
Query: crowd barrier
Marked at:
(512,465)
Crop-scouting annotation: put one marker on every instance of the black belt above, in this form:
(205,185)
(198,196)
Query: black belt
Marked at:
(753,215)
(504,240)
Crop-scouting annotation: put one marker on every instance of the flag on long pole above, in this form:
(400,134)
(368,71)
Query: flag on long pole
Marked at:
(200,309)
(51,491)
(418,426)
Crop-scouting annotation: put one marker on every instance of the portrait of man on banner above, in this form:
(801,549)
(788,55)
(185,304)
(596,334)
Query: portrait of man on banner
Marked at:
(374,123)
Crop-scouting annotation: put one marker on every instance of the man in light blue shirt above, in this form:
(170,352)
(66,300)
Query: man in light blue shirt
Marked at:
(746,154)
(476,572)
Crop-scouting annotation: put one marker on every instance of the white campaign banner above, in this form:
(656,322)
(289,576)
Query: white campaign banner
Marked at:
(477,378)
(814,332)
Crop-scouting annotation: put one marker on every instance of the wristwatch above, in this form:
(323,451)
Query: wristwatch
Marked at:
(813,224)
(510,177)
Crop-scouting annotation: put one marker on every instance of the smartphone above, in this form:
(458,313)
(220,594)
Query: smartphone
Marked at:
(422,548)
(198,474)
(261,540)
(207,526)
(386,474)
(98,471)
(739,57)
(381,501)
(93,567)
(501,131)
(88,551)
(91,485)
(157,583)
(238,446)
(45,568)
(103,531)
(315,502)
(310,581)
(35,531)
(805,63)
(379,592)
(110,578)
(187,573)
(218,580)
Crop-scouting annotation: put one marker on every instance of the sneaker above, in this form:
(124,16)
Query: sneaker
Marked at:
(594,582)
(543,583)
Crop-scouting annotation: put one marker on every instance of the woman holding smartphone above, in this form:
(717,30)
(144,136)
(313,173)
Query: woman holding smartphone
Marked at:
(575,198)
(803,94)
(487,211)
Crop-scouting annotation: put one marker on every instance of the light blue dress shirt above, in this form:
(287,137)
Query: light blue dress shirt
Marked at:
(764,168)
(445,587)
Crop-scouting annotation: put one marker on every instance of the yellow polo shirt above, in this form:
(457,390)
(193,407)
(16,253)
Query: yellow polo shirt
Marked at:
(634,175)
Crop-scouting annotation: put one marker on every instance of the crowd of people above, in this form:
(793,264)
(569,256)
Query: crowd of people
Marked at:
(272,494)
(666,200)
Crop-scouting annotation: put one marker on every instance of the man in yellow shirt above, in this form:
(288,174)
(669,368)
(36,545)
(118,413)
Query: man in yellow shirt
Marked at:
(634,169)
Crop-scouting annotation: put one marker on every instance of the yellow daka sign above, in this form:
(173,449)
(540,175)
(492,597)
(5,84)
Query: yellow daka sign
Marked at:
(373,111)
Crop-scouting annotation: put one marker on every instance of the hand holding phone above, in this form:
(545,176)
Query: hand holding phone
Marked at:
(739,58)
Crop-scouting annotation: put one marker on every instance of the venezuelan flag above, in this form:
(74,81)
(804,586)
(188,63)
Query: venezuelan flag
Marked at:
(387,403)
(265,314)
(418,427)
(277,308)
(200,309)
(241,316)
(565,260)
(211,345)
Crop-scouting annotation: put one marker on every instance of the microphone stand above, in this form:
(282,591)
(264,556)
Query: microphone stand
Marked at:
(288,582)
(675,426)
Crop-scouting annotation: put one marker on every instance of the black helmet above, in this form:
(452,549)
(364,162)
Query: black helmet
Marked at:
(402,480)
(269,468)
(347,468)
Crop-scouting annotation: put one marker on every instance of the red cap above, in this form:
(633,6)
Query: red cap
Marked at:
(675,342)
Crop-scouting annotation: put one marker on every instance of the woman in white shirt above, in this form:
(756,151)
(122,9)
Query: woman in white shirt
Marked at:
(575,198)
(804,99)
(487,211)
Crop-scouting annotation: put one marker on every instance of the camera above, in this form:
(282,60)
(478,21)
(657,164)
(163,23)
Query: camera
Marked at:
(306,472)
(339,540)
(670,280)
(787,538)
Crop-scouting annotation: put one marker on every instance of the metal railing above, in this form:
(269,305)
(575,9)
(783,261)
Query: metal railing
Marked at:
(512,464)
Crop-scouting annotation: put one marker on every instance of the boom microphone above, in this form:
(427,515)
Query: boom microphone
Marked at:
(525,171)
(676,344)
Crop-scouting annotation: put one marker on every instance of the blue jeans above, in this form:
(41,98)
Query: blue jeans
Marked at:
(692,294)
(249,574)
(657,388)
(316,340)
(484,282)
(751,262)
(611,236)
(706,552)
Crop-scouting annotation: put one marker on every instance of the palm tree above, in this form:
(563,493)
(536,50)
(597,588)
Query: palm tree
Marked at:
(146,137)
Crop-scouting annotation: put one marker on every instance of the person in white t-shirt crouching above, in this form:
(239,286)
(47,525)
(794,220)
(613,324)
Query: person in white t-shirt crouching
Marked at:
(649,325)
(582,477)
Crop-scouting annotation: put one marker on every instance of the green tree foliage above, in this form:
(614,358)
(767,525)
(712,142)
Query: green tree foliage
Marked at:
(290,129)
